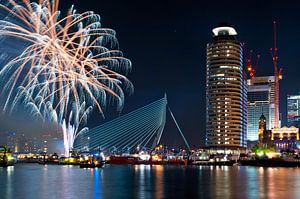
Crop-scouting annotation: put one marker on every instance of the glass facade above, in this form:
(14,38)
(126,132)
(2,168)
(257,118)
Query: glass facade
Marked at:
(260,100)
(226,91)
(293,110)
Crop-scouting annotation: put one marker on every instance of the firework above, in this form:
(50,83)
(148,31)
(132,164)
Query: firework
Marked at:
(69,66)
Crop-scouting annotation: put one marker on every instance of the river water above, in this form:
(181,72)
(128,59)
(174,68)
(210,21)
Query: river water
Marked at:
(35,181)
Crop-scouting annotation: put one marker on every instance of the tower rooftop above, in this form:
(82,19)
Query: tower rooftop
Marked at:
(224,29)
(262,117)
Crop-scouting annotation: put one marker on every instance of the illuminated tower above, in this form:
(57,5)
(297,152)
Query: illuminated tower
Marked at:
(226,91)
(262,127)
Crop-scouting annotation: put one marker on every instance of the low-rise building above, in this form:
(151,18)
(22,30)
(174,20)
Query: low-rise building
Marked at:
(285,137)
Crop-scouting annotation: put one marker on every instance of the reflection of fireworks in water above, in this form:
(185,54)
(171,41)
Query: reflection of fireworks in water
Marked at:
(69,66)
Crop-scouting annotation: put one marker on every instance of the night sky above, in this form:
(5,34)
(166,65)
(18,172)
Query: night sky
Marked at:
(166,42)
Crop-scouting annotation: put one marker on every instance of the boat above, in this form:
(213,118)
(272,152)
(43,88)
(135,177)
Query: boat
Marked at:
(215,163)
(48,159)
(176,161)
(126,159)
(153,160)
(6,157)
(173,161)
(216,160)
(69,160)
(91,161)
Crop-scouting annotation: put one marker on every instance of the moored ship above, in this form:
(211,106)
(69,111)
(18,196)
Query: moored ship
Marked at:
(153,160)
(126,159)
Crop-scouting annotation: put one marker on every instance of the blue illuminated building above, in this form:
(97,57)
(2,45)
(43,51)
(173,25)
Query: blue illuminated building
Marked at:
(260,99)
(293,110)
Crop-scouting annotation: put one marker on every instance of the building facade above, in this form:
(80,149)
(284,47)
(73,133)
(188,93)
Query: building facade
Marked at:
(293,110)
(226,91)
(264,135)
(260,100)
(285,138)
(20,143)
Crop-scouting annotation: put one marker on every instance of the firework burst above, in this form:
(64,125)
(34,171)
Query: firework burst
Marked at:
(70,65)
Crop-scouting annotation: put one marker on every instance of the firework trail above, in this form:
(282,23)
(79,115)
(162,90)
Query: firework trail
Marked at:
(69,66)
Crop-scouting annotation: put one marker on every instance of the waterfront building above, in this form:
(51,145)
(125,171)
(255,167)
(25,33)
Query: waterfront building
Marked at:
(226,91)
(264,135)
(24,143)
(13,142)
(293,110)
(260,99)
(285,137)
(33,145)
(20,143)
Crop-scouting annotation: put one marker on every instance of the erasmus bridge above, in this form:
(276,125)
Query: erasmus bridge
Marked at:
(141,128)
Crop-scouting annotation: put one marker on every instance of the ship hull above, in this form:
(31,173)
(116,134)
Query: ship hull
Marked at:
(124,160)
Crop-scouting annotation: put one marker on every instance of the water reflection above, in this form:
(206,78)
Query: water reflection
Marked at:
(159,181)
(9,171)
(144,174)
(145,181)
(279,182)
(97,184)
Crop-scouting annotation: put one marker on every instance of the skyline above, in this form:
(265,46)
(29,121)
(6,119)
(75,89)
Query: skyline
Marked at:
(149,99)
(151,45)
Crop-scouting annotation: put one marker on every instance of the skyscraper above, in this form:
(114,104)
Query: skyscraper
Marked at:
(226,91)
(260,100)
(293,110)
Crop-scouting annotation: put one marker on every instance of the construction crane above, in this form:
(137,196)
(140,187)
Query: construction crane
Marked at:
(277,77)
(250,66)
